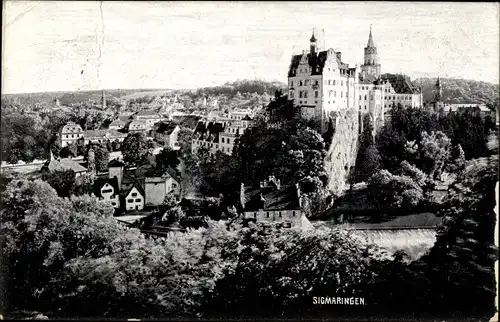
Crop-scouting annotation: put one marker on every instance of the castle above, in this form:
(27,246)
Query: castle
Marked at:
(320,84)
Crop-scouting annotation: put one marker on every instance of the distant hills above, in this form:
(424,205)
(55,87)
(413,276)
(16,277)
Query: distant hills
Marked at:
(457,91)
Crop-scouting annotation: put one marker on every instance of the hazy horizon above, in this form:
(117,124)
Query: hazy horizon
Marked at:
(71,46)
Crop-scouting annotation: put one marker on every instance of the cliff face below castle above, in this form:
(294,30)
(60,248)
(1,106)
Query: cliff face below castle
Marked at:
(341,154)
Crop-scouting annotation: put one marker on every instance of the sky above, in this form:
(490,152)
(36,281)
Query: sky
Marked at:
(70,46)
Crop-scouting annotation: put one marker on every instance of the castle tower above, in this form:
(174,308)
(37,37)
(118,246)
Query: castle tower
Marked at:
(439,92)
(371,66)
(438,96)
(313,46)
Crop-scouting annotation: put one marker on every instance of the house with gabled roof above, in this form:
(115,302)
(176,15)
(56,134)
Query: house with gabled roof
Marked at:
(272,202)
(107,189)
(166,133)
(63,164)
(133,198)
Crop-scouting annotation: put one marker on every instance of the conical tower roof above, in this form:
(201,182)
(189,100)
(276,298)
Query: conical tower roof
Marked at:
(313,39)
(370,39)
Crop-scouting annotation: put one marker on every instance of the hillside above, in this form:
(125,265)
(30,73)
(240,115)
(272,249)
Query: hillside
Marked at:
(243,86)
(457,91)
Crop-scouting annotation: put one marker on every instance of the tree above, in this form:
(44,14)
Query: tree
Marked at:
(184,139)
(457,161)
(69,151)
(90,157)
(62,181)
(101,157)
(391,146)
(462,259)
(170,201)
(135,148)
(43,232)
(388,190)
(167,158)
(368,160)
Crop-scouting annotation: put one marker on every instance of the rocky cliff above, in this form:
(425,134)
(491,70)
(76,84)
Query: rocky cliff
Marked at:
(341,154)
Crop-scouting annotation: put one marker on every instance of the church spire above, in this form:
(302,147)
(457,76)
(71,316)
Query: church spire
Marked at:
(370,39)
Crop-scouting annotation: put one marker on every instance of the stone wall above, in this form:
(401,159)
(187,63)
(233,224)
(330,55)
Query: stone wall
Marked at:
(341,154)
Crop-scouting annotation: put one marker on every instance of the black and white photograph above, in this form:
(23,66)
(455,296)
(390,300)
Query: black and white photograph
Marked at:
(249,160)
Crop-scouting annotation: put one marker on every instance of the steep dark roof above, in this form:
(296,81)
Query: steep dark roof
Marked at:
(247,118)
(316,62)
(166,128)
(208,131)
(124,193)
(115,163)
(400,83)
(99,183)
(285,198)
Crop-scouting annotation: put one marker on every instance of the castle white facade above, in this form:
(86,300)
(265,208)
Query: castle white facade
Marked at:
(320,83)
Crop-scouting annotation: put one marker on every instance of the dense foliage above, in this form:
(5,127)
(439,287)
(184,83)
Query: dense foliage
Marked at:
(70,255)
(136,148)
(368,159)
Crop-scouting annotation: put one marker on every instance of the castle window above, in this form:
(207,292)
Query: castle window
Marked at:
(279,213)
(293,213)
(134,194)
(316,94)
(267,214)
(113,203)
(130,200)
(300,94)
(255,215)
(305,94)
(329,81)
(291,83)
(300,83)
(315,102)
(137,200)
(222,140)
(360,97)
(365,97)
(316,82)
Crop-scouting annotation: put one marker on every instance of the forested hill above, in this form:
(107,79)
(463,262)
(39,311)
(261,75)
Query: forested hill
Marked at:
(457,91)
(244,86)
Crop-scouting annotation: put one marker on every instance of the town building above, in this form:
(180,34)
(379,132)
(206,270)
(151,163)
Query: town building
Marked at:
(64,164)
(320,84)
(150,117)
(70,133)
(133,198)
(102,136)
(272,202)
(138,126)
(167,133)
(120,122)
(154,185)
(115,170)
(107,190)
(221,134)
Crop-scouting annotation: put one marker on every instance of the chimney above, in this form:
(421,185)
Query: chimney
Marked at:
(298,194)
(339,55)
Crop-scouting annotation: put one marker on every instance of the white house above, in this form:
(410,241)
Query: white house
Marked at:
(108,191)
(133,198)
